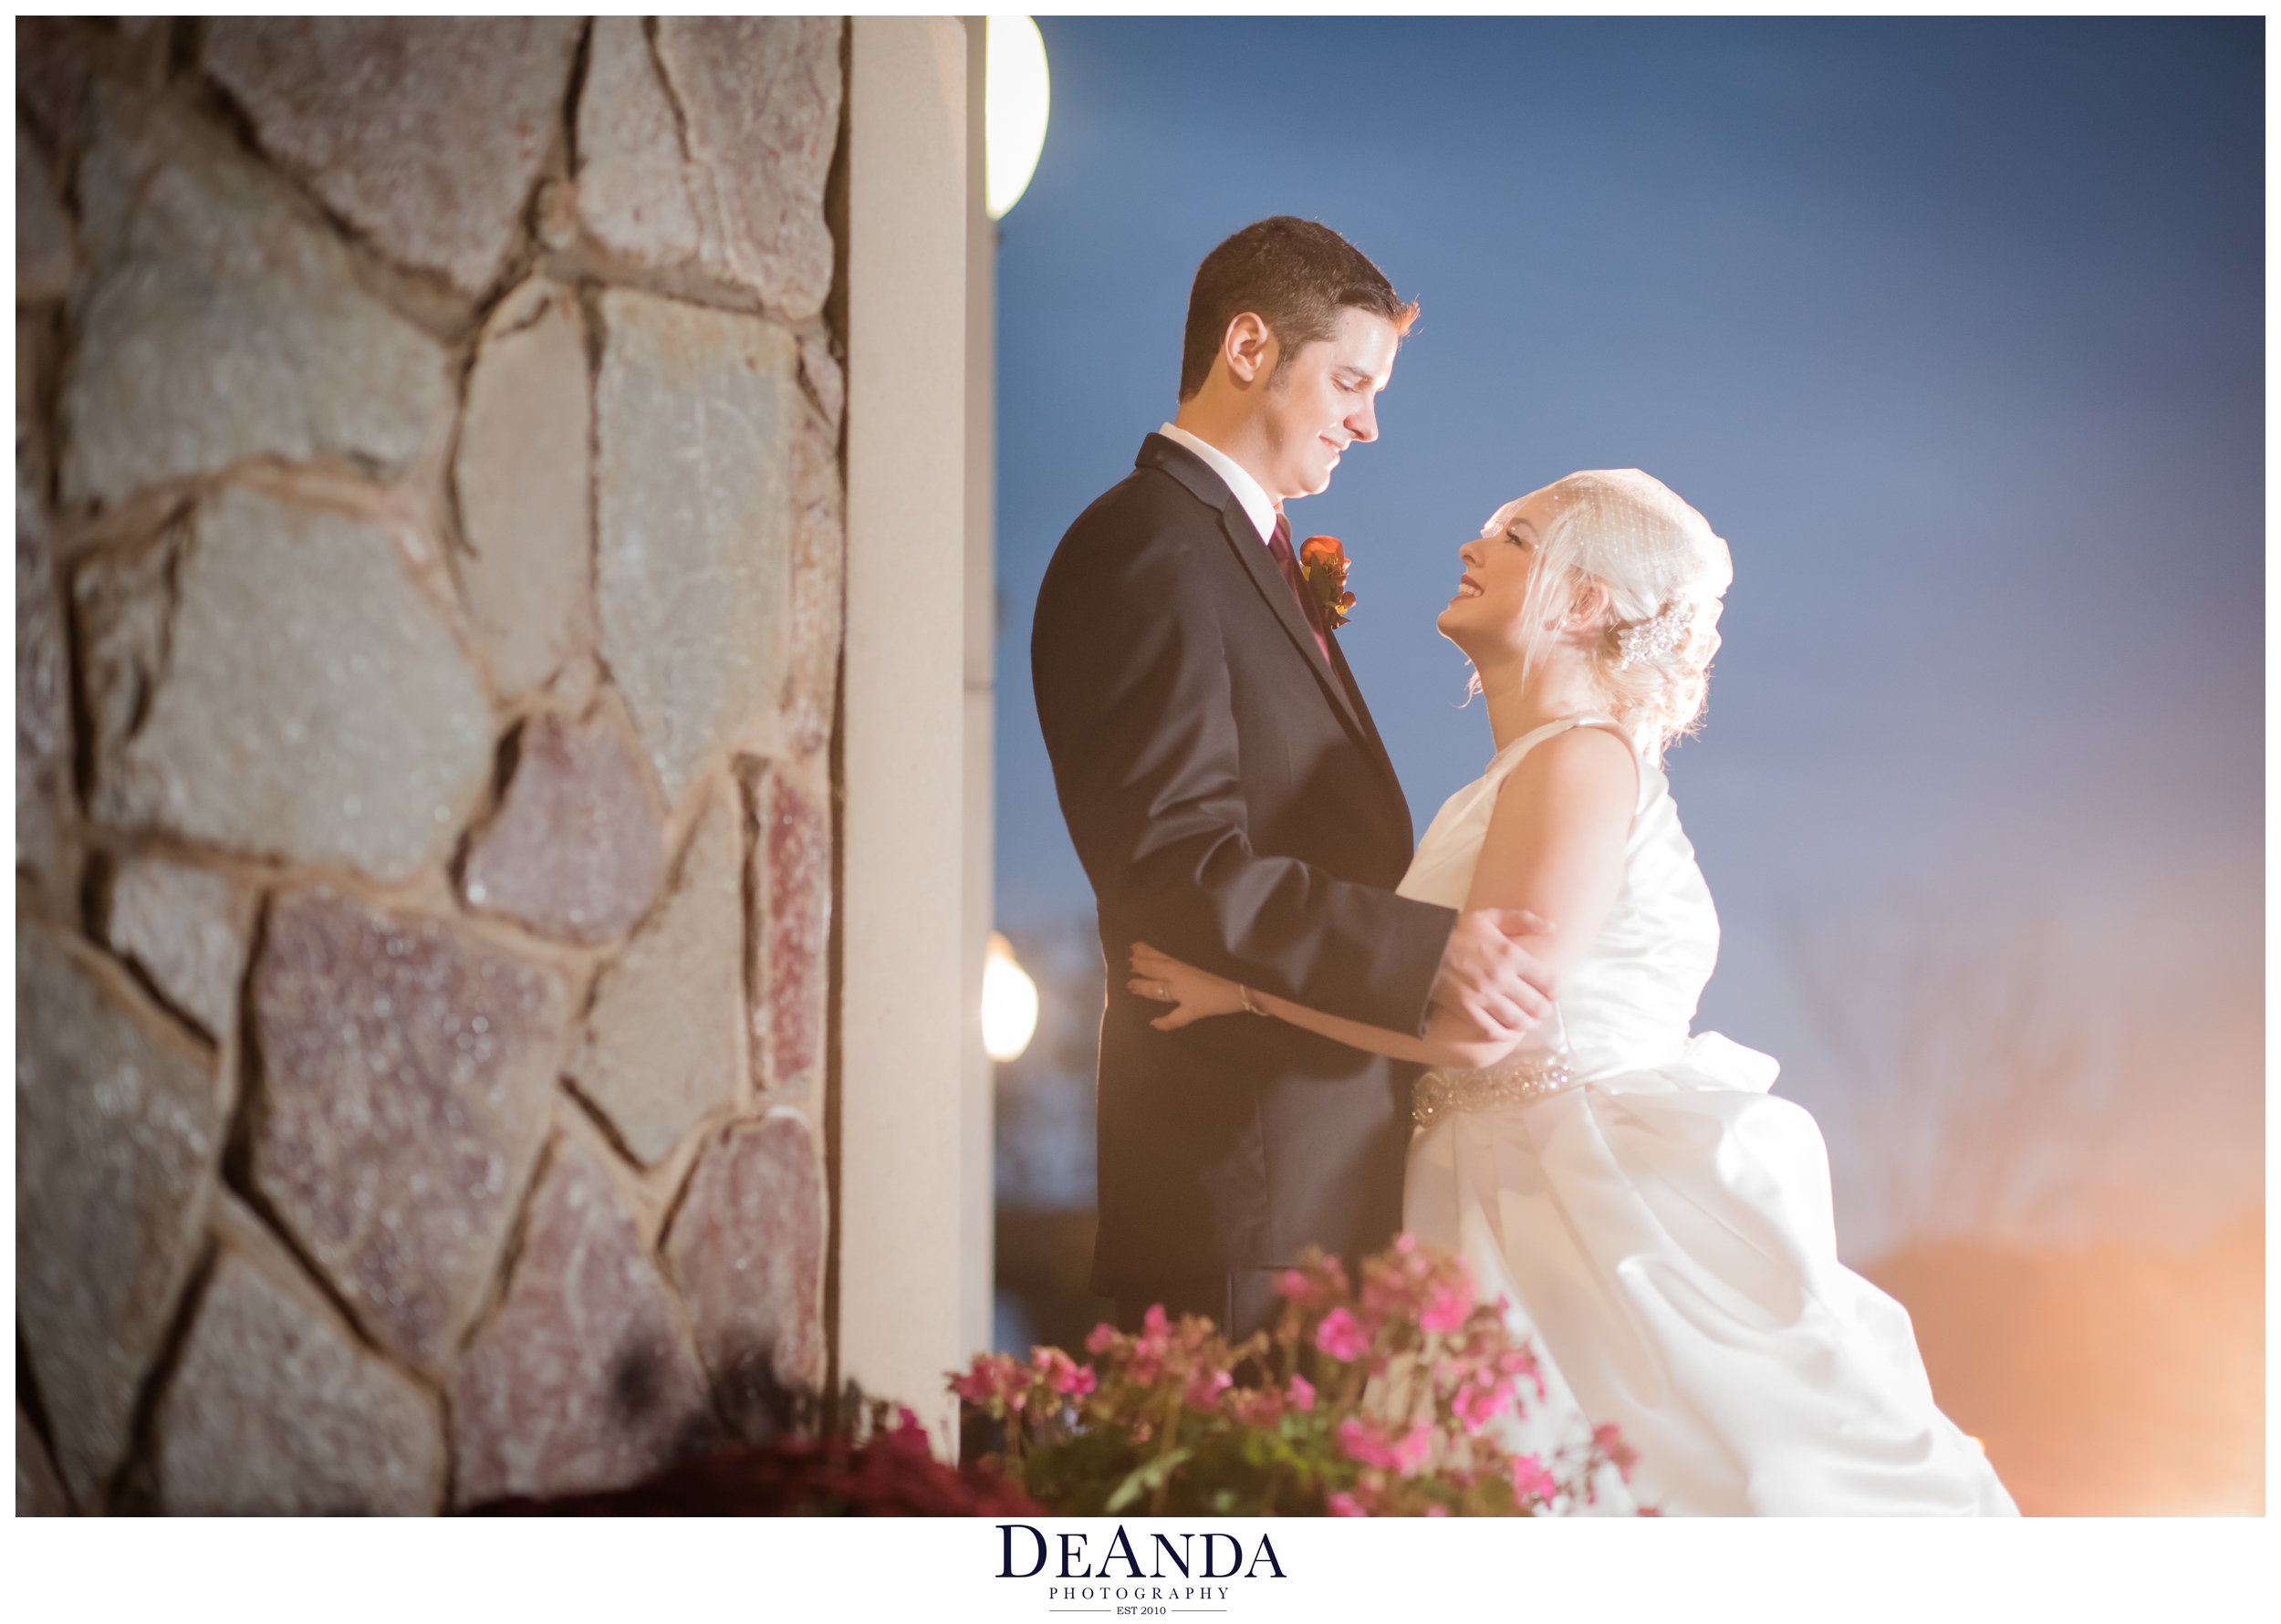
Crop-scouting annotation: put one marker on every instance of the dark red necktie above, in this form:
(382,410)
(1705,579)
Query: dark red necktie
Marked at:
(1279,548)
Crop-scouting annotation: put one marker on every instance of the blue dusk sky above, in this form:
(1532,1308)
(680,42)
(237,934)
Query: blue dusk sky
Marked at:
(1952,329)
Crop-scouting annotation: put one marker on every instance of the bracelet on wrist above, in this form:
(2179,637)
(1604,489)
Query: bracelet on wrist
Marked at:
(1244,993)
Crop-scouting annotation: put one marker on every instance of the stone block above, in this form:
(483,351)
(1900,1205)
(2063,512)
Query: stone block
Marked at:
(42,668)
(710,152)
(297,697)
(123,599)
(43,674)
(525,499)
(585,1379)
(759,99)
(665,1039)
(694,411)
(120,1123)
(790,882)
(576,850)
(46,249)
(407,1071)
(53,59)
(222,319)
(427,132)
(817,616)
(633,192)
(189,931)
(38,1491)
(274,1409)
(747,1254)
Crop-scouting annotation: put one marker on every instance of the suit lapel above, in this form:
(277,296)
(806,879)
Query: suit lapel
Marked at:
(1336,681)
(1236,524)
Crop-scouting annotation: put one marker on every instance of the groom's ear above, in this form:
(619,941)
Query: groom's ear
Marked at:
(1248,349)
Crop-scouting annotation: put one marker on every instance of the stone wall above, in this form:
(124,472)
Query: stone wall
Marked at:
(429,559)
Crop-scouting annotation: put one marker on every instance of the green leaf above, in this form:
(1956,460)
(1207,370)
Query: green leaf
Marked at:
(1145,1479)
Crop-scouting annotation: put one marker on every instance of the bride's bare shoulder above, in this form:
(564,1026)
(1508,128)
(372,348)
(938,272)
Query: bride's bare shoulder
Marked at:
(1555,843)
(1587,765)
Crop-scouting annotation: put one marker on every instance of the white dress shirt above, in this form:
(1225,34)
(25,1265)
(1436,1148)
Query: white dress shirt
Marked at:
(1256,503)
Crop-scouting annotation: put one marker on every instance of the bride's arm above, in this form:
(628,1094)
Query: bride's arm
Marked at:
(1555,847)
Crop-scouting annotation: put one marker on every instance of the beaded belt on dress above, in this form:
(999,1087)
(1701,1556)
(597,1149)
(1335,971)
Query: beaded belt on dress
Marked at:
(1511,1082)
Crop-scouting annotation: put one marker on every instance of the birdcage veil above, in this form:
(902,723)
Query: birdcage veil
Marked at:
(1631,532)
(1664,568)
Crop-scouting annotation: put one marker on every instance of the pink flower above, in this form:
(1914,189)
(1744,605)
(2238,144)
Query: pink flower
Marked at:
(1205,1387)
(1302,1393)
(1410,1454)
(1365,1443)
(1362,1443)
(1531,1480)
(1405,1242)
(1522,1363)
(1149,1350)
(1437,1510)
(1478,1403)
(1447,1312)
(1341,1337)
(1343,1506)
(991,1377)
(1104,1337)
(1061,1374)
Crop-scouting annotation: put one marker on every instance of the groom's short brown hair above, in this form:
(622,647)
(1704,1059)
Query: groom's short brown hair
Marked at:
(1294,275)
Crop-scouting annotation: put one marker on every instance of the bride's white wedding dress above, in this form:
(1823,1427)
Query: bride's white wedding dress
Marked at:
(1661,1226)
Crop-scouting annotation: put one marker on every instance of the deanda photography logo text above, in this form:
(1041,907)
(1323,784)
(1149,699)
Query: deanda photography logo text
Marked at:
(1176,1571)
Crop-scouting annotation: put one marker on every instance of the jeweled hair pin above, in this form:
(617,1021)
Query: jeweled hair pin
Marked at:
(1658,635)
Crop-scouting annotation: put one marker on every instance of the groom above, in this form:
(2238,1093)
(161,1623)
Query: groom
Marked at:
(1229,796)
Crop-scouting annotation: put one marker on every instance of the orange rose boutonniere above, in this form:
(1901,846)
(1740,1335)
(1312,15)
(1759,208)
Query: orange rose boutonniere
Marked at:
(1323,562)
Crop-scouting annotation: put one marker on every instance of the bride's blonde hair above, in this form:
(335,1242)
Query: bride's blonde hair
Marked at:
(1663,570)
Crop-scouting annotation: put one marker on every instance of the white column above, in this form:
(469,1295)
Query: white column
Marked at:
(904,1010)
(978,1213)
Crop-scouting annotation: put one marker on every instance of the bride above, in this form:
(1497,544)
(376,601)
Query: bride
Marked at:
(1655,1220)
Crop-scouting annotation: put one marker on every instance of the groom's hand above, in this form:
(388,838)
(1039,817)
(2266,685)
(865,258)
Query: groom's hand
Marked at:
(1491,981)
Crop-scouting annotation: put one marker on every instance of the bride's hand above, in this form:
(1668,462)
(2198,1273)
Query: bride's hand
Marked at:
(1194,994)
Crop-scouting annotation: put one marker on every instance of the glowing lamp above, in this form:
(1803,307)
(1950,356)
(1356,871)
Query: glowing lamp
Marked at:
(1018,93)
(1009,1003)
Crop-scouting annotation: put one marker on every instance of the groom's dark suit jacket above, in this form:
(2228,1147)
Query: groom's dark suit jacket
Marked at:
(1233,805)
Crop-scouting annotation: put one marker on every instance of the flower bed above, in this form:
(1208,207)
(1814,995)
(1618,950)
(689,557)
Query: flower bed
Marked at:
(1382,1402)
